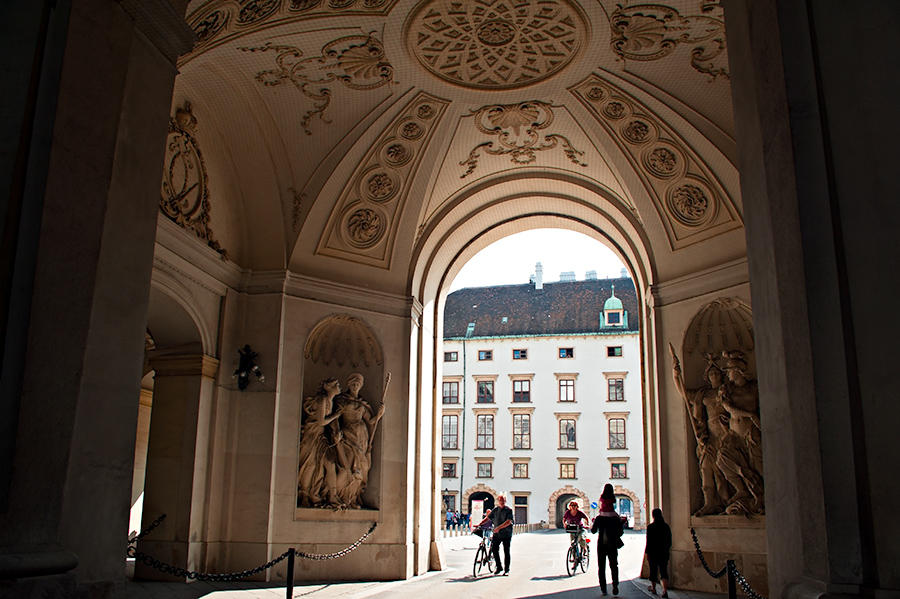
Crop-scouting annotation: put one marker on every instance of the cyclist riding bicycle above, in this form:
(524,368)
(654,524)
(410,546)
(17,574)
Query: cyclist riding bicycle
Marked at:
(572,518)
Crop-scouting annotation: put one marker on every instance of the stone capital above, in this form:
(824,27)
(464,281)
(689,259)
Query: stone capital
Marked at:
(185,365)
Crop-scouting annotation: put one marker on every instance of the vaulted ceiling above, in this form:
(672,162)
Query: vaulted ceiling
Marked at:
(334,133)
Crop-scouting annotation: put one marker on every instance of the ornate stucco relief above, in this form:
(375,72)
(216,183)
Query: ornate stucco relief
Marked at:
(363,224)
(493,44)
(653,31)
(517,128)
(724,409)
(221,20)
(355,61)
(185,190)
(691,203)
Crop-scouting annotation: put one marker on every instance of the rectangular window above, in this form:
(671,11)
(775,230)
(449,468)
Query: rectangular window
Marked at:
(485,354)
(485,391)
(616,390)
(485,470)
(520,470)
(566,352)
(520,505)
(567,470)
(451,392)
(521,431)
(520,354)
(451,356)
(619,471)
(485,431)
(613,318)
(566,389)
(522,391)
(614,351)
(567,434)
(617,433)
(449,470)
(449,438)
(450,502)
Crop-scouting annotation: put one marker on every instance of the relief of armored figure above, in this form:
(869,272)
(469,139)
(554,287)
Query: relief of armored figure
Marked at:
(709,423)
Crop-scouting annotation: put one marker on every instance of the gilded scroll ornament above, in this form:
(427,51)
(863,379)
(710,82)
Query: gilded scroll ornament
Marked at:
(185,192)
(493,44)
(356,62)
(647,32)
(517,127)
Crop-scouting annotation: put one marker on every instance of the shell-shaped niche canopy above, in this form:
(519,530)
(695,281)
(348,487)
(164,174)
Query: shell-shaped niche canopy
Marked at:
(343,339)
(726,323)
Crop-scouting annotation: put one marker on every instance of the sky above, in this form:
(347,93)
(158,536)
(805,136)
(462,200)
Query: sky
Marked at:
(511,260)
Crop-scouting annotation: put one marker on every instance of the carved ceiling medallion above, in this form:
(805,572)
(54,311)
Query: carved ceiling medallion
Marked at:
(185,193)
(356,61)
(517,127)
(494,44)
(652,31)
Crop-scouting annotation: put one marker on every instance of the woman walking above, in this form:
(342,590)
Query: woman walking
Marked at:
(659,541)
(608,527)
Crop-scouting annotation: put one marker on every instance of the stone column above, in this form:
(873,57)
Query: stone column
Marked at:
(816,133)
(92,172)
(177,462)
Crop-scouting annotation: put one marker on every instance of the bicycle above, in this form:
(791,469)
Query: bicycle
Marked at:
(574,557)
(483,558)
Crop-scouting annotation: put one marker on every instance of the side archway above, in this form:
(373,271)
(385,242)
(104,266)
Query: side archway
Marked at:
(568,490)
(637,512)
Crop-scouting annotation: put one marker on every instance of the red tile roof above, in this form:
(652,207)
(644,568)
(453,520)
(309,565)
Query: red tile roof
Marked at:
(558,308)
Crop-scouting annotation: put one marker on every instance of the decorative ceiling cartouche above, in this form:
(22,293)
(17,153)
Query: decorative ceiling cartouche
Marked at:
(517,128)
(185,192)
(495,44)
(356,61)
(652,31)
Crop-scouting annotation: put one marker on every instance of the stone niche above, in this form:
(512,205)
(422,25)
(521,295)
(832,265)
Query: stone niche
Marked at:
(339,445)
(715,376)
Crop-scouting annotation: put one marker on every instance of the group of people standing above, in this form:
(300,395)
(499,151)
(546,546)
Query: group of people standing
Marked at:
(457,520)
(607,525)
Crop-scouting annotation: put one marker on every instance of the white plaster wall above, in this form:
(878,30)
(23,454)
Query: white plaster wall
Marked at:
(590,361)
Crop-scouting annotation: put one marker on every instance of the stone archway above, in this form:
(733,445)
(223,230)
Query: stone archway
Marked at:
(639,523)
(480,487)
(554,497)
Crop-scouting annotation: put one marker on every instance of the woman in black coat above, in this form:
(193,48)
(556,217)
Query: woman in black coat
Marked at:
(659,541)
(608,526)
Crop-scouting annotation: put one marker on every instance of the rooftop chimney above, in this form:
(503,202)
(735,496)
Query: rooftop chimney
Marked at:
(624,273)
(590,275)
(538,276)
(567,276)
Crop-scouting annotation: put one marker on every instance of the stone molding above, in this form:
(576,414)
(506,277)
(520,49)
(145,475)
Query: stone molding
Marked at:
(185,365)
(567,490)
(478,487)
(711,280)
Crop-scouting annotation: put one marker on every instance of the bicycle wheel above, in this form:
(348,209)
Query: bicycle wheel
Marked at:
(480,561)
(585,559)
(571,561)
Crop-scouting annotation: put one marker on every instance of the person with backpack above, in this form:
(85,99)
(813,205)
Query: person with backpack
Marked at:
(608,526)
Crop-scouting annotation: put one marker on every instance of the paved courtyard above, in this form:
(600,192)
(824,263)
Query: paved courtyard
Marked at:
(538,569)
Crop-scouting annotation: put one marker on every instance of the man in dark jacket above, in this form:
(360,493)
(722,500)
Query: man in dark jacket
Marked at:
(503,520)
(608,527)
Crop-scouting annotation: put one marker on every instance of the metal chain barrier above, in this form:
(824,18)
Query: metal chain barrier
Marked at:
(734,575)
(706,567)
(342,552)
(179,572)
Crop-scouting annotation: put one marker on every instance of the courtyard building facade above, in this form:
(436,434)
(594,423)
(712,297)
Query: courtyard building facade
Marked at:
(541,398)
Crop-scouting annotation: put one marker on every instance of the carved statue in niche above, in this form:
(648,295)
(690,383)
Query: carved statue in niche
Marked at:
(316,479)
(336,445)
(708,419)
(725,420)
(740,398)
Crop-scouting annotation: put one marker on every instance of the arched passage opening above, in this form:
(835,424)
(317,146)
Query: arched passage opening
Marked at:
(173,436)
(473,221)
